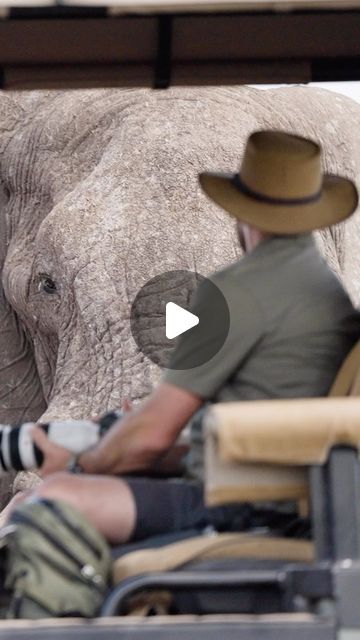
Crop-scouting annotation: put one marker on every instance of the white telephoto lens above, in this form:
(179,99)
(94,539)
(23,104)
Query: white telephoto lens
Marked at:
(5,446)
(26,446)
(2,468)
(74,435)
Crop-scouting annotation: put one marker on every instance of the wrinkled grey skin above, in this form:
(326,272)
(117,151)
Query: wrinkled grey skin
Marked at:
(98,190)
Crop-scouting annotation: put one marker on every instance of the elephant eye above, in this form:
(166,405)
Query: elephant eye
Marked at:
(47,284)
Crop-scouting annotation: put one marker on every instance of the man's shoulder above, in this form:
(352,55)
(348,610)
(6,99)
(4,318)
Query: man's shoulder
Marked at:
(235,277)
(268,257)
(279,271)
(229,272)
(240,288)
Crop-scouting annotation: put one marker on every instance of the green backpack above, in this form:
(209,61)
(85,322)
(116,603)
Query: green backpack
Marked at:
(57,564)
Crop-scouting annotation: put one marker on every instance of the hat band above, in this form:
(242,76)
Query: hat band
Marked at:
(241,186)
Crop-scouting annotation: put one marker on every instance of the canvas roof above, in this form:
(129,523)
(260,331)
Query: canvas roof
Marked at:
(160,43)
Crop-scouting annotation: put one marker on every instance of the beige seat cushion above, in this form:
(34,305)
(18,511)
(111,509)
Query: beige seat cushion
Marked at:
(219,546)
(286,432)
(229,481)
(260,450)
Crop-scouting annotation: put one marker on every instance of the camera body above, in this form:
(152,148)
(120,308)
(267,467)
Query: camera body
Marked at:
(18,452)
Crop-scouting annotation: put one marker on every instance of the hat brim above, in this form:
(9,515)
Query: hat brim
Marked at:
(338,200)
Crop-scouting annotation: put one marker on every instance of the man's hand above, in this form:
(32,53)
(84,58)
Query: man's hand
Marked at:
(140,440)
(56,458)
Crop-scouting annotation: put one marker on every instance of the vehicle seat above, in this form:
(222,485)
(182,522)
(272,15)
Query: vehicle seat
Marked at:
(255,451)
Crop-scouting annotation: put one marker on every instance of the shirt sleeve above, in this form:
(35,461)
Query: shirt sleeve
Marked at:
(246,328)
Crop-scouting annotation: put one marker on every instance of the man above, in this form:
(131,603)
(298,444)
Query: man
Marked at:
(291,325)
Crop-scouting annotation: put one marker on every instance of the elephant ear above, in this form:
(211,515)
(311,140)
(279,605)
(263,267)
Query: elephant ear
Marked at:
(21,396)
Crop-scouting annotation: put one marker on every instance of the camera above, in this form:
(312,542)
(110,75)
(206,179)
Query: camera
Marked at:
(18,452)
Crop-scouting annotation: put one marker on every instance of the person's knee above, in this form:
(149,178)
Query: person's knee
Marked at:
(58,486)
(106,502)
(15,502)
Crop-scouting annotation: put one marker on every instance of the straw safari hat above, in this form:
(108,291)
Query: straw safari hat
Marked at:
(280,187)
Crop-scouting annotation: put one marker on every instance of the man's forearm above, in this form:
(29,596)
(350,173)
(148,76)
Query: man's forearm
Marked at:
(133,444)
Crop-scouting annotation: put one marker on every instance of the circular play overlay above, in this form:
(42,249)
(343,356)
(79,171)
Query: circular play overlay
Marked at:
(179,319)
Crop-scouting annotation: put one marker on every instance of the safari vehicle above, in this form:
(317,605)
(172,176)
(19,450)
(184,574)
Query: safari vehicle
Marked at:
(246,585)
(241,586)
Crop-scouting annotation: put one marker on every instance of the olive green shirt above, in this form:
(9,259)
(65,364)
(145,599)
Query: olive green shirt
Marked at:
(291,325)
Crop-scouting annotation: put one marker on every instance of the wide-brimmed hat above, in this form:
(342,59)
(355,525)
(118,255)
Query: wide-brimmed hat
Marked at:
(280,187)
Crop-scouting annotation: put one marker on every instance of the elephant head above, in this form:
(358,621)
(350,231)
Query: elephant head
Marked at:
(98,194)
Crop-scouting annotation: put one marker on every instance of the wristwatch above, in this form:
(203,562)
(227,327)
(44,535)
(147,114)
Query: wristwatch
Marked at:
(74,466)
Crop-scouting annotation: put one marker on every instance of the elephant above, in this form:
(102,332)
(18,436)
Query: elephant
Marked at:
(99,193)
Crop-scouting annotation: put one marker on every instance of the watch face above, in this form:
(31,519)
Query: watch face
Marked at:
(78,469)
(74,466)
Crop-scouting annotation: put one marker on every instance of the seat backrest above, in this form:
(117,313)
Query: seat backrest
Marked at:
(347,381)
(261,450)
(228,480)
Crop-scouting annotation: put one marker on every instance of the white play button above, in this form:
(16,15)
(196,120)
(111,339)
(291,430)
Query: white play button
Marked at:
(169,306)
(178,320)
